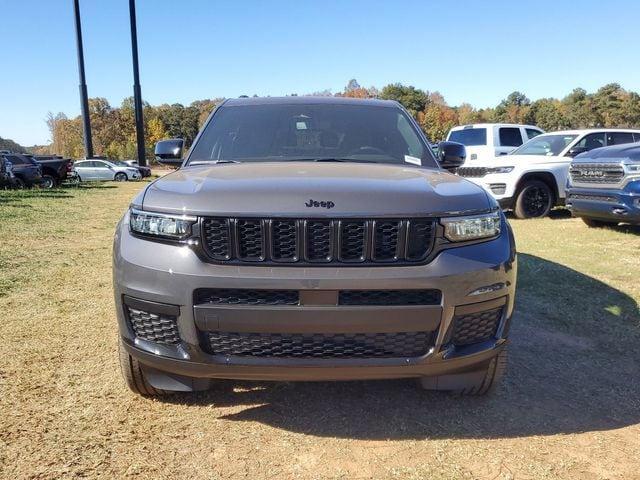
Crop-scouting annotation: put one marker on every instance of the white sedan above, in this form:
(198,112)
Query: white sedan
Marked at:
(104,170)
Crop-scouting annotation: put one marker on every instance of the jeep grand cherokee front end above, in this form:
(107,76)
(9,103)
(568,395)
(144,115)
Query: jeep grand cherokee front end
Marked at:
(312,239)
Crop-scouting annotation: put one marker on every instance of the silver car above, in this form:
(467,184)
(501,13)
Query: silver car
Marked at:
(104,170)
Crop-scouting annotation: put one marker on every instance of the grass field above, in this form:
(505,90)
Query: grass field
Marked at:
(569,407)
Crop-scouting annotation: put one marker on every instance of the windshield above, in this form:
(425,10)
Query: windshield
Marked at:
(120,163)
(312,132)
(469,136)
(549,145)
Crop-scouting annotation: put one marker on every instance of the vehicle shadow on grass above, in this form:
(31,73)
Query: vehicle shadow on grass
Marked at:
(574,367)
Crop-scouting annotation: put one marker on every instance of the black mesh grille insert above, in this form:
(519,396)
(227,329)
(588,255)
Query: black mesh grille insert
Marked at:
(352,241)
(250,240)
(420,239)
(285,240)
(389,297)
(357,345)
(476,327)
(239,296)
(217,237)
(318,241)
(154,327)
(386,240)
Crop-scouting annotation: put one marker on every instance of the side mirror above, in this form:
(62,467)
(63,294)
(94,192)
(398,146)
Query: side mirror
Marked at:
(576,151)
(451,155)
(169,152)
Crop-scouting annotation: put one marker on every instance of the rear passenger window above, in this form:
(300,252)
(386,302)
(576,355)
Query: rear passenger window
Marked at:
(532,133)
(510,137)
(617,138)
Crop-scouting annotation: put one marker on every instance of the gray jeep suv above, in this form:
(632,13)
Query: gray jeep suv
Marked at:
(313,239)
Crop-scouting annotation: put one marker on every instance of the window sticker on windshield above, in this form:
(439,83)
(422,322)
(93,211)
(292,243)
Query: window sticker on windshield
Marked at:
(412,160)
(301,125)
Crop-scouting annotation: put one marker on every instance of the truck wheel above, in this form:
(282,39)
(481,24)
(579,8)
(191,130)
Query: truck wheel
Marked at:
(19,183)
(48,182)
(121,177)
(593,223)
(535,199)
(133,375)
(471,384)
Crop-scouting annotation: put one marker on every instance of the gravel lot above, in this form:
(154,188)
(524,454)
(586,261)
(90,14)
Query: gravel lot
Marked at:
(569,407)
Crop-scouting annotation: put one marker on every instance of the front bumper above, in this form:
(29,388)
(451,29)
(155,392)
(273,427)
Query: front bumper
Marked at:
(615,205)
(169,275)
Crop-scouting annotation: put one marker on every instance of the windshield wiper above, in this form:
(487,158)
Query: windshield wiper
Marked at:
(209,162)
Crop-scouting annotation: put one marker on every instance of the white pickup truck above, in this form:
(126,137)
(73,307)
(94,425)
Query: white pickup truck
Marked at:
(531,179)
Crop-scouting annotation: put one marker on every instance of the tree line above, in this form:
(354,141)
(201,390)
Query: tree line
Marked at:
(113,128)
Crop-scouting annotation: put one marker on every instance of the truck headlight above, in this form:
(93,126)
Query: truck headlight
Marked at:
(499,170)
(161,225)
(460,229)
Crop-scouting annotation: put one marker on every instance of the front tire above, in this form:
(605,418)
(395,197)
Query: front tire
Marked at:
(121,177)
(134,376)
(593,223)
(19,183)
(534,200)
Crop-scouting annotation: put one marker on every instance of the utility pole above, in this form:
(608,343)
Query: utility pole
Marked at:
(84,101)
(137,96)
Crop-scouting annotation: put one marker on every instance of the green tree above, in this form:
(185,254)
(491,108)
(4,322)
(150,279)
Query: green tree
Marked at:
(413,99)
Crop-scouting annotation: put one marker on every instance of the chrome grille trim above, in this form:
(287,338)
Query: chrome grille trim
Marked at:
(610,173)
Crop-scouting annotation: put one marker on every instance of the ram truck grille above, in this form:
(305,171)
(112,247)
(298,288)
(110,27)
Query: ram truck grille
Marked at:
(318,241)
(594,173)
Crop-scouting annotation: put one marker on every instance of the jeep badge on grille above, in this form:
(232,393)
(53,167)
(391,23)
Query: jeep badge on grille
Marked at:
(323,204)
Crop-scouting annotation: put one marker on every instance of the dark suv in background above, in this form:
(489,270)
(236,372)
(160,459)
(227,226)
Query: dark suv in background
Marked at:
(27,171)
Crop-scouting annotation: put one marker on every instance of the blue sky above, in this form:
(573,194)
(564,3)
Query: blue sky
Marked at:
(470,51)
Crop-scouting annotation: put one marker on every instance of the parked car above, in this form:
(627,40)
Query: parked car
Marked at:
(144,171)
(55,169)
(604,186)
(312,238)
(27,172)
(484,141)
(531,180)
(7,179)
(101,170)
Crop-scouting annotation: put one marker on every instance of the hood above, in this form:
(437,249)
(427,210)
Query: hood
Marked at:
(304,189)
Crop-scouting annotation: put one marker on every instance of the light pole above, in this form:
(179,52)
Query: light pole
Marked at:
(137,96)
(84,101)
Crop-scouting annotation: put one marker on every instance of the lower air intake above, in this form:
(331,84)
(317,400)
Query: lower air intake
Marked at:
(357,345)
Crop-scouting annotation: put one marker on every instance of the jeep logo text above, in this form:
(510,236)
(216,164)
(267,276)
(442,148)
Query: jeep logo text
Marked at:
(323,204)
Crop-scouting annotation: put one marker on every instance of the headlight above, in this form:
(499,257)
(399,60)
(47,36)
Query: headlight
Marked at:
(634,169)
(161,225)
(460,229)
(499,170)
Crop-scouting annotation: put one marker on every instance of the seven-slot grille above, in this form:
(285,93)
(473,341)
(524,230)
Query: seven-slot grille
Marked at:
(596,173)
(472,172)
(318,241)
